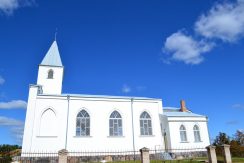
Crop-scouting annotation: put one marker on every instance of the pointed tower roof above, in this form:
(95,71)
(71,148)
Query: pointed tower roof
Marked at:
(52,57)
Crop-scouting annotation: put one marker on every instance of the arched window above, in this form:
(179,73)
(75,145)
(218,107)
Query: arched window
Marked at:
(115,124)
(196,131)
(50,74)
(145,124)
(183,137)
(83,124)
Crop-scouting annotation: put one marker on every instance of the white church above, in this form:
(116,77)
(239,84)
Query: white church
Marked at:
(80,122)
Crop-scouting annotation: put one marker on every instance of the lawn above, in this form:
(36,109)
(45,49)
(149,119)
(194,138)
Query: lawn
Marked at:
(234,159)
(195,160)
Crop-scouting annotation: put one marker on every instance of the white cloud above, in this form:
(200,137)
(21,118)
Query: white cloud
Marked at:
(16,127)
(232,122)
(14,104)
(126,89)
(238,106)
(223,21)
(8,6)
(141,88)
(17,132)
(4,121)
(2,80)
(185,48)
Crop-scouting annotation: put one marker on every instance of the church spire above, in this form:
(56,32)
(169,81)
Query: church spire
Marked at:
(52,58)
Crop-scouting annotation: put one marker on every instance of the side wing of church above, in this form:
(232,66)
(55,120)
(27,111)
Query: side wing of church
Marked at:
(79,122)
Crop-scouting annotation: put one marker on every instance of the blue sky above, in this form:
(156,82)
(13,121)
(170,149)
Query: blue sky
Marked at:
(169,49)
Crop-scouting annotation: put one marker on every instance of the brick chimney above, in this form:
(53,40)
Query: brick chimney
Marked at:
(183,106)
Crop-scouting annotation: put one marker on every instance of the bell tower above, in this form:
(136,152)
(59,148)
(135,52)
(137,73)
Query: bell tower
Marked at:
(50,73)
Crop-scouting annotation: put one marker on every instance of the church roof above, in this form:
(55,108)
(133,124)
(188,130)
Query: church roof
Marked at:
(110,97)
(52,58)
(102,96)
(175,112)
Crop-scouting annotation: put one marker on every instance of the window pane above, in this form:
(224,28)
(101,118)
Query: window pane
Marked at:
(145,126)
(82,129)
(120,132)
(87,131)
(78,122)
(115,128)
(120,122)
(149,123)
(83,132)
(145,122)
(182,127)
(115,114)
(195,127)
(150,131)
(111,133)
(146,132)
(83,125)
(141,123)
(183,136)
(142,131)
(197,136)
(110,123)
(83,120)
(87,122)
(77,131)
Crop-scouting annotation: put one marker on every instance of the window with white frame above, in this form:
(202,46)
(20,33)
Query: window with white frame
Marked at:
(83,124)
(115,124)
(145,124)
(196,131)
(183,136)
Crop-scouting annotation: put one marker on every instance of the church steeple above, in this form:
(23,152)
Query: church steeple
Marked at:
(50,74)
(52,58)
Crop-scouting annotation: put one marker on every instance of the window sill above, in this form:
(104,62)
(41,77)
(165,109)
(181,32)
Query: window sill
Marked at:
(82,136)
(198,141)
(184,142)
(147,136)
(115,136)
(46,136)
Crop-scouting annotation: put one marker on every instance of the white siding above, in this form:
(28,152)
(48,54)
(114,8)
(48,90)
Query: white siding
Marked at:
(50,86)
(48,123)
(174,126)
(99,110)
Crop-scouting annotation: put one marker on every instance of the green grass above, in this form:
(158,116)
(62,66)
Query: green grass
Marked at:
(234,159)
(194,160)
